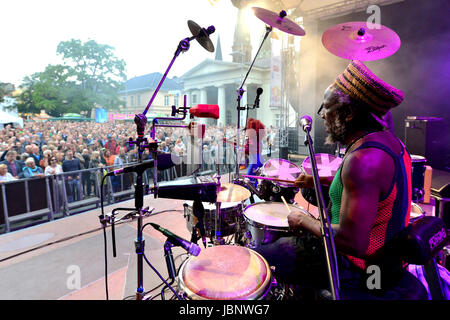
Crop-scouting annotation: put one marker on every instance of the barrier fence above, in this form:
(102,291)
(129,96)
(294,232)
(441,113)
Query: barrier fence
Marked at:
(31,201)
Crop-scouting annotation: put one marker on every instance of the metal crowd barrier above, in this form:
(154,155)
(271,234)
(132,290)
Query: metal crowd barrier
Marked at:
(31,201)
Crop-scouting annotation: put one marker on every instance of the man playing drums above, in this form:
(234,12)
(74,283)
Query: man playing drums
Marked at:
(370,195)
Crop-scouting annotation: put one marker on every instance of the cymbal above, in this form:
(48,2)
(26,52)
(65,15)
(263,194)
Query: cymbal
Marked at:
(356,41)
(202,35)
(230,192)
(279,21)
(327,164)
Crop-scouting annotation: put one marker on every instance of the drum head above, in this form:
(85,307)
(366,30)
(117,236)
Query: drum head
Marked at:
(212,206)
(327,165)
(226,273)
(271,214)
(417,158)
(281,169)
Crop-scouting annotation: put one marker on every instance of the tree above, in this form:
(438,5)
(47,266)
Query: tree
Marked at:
(47,90)
(97,71)
(90,74)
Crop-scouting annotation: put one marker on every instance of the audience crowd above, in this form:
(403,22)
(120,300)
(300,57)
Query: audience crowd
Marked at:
(53,147)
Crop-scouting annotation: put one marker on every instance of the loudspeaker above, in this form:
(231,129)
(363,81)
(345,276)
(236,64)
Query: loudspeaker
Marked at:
(428,137)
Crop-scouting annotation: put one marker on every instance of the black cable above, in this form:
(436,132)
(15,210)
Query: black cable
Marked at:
(72,237)
(102,217)
(159,275)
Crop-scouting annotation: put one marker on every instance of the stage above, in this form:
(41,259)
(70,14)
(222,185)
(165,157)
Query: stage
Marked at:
(64,259)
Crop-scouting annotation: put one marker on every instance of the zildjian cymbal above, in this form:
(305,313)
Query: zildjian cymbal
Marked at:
(278,21)
(360,41)
(230,192)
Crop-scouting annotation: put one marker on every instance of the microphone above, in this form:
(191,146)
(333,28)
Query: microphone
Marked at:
(165,161)
(190,247)
(305,123)
(259,91)
(205,111)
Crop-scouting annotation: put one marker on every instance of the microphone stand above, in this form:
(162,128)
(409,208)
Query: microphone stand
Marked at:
(240,92)
(141,121)
(325,222)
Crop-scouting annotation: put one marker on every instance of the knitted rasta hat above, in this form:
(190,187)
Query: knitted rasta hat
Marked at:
(363,85)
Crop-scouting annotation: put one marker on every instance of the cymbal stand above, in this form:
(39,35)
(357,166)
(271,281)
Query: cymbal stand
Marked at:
(325,222)
(240,92)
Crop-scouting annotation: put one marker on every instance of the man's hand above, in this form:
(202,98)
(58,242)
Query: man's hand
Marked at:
(298,221)
(304,181)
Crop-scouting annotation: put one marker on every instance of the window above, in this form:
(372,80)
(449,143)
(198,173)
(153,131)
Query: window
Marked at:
(194,99)
(278,120)
(132,101)
(166,101)
(175,100)
(228,117)
(139,100)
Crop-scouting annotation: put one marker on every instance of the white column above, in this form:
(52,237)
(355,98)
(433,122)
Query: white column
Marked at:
(222,107)
(203,99)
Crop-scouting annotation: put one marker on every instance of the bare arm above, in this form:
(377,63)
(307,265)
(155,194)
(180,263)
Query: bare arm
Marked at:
(365,176)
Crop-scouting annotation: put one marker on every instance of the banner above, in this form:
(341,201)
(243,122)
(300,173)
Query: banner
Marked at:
(275,81)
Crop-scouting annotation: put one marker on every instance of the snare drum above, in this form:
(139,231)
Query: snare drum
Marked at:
(266,222)
(231,213)
(274,190)
(225,273)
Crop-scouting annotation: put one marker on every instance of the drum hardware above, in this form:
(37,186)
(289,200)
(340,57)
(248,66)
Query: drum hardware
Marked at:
(142,143)
(272,20)
(171,270)
(325,222)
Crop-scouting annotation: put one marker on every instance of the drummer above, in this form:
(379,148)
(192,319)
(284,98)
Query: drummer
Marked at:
(370,195)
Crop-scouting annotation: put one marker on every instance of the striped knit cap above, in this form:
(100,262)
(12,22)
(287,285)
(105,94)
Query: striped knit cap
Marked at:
(363,85)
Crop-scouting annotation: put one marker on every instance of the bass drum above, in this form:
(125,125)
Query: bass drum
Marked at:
(226,272)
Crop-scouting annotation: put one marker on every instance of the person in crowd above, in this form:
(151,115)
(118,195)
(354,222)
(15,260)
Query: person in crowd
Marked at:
(53,166)
(14,166)
(5,176)
(111,145)
(36,153)
(255,134)
(74,188)
(31,170)
(43,163)
(85,175)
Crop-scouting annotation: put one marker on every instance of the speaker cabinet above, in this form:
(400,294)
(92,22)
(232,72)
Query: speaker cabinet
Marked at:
(428,137)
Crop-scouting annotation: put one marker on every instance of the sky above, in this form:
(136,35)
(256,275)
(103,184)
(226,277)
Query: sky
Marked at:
(144,33)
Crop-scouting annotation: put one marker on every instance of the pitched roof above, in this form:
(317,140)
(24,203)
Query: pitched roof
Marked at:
(150,82)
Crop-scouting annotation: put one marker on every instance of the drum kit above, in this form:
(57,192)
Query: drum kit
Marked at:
(232,269)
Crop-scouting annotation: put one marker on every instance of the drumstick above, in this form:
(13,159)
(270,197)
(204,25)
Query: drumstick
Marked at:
(284,200)
(267,178)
